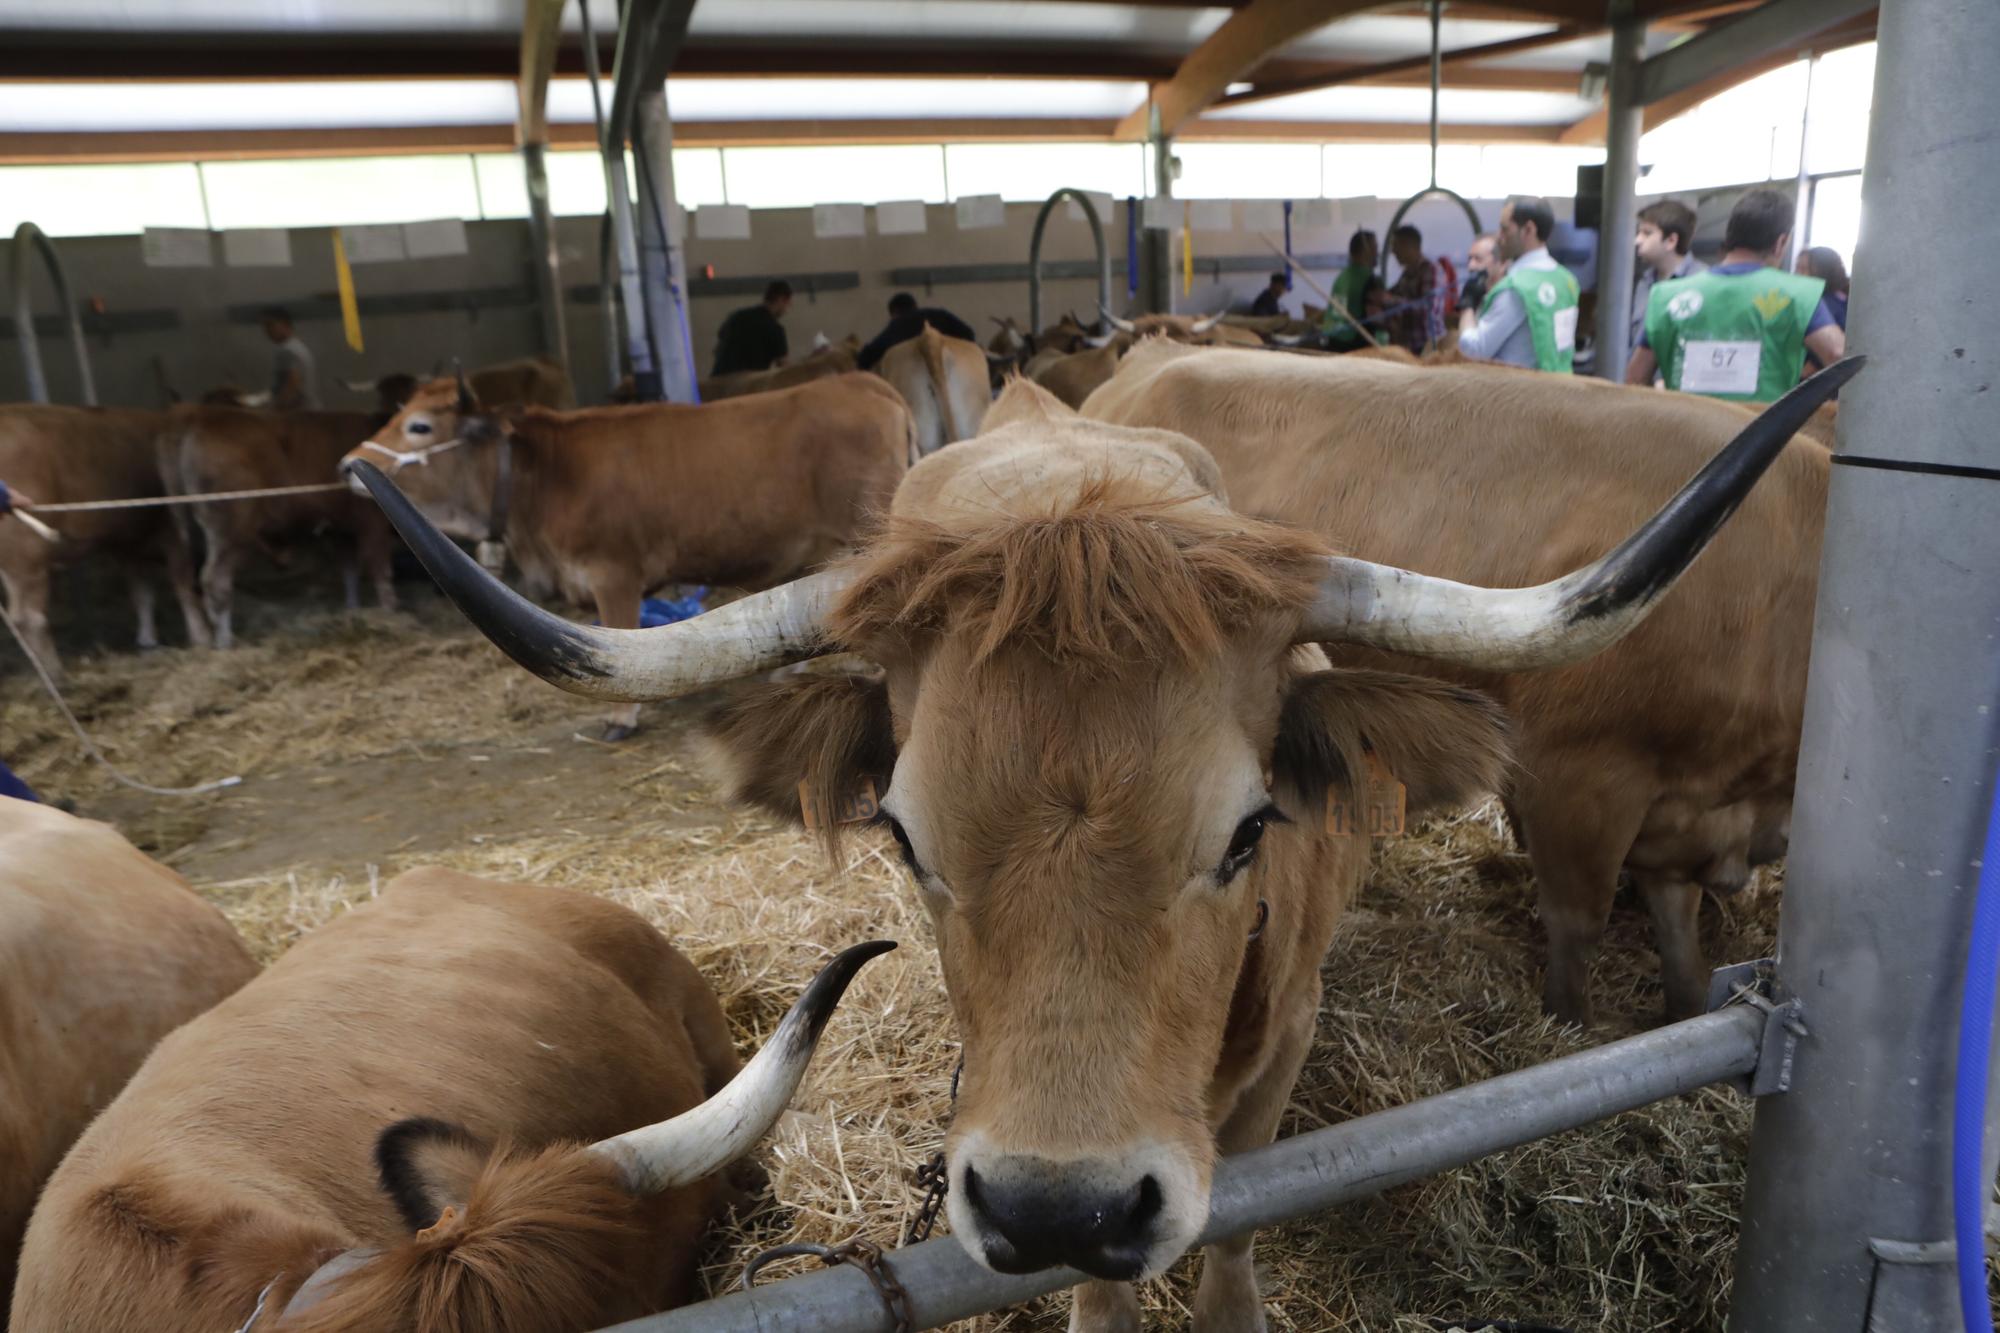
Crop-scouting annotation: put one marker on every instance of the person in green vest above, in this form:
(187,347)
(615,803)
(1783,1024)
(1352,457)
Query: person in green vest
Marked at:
(1360,290)
(1528,317)
(1740,331)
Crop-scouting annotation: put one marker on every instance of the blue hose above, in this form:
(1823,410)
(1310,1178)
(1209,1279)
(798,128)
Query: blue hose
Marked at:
(1969,1184)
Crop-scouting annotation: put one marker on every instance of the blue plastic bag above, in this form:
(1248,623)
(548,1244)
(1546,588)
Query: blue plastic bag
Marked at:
(656,611)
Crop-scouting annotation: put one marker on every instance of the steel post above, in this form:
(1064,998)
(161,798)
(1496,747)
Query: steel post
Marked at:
(1035,254)
(1849,1173)
(1618,221)
(1156,244)
(1287,1179)
(28,236)
(547,256)
(662,263)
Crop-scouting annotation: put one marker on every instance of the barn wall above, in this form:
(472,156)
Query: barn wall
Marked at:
(205,347)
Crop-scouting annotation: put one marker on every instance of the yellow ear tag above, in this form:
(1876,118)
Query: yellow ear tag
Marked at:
(1378,810)
(857,807)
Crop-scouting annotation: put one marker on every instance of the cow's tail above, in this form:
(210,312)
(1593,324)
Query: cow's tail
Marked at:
(174,458)
(933,343)
(913,447)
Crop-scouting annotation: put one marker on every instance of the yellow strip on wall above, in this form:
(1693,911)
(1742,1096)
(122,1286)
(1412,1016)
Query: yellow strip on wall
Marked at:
(350,310)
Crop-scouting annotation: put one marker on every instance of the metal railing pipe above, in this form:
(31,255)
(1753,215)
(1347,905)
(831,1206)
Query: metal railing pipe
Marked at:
(25,236)
(1291,1178)
(1035,254)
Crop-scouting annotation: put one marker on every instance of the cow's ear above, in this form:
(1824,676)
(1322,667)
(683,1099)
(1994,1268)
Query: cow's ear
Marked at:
(1446,744)
(426,1166)
(829,736)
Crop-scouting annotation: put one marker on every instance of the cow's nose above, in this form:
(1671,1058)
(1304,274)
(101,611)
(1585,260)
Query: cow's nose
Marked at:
(1035,1213)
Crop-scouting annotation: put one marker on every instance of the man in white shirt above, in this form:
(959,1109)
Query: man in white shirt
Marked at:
(1529,317)
(292,371)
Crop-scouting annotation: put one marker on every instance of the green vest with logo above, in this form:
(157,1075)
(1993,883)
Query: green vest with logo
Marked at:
(1350,288)
(1549,296)
(1740,336)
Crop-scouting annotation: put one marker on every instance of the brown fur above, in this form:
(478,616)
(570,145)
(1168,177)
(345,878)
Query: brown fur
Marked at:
(1087,666)
(102,952)
(242,1150)
(823,363)
(1494,476)
(204,449)
(62,455)
(945,382)
(826,734)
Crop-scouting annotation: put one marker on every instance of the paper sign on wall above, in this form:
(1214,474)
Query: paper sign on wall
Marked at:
(434,240)
(835,220)
(372,245)
(257,247)
(1102,202)
(981,210)
(1211,215)
(1314,213)
(1163,214)
(177,247)
(1266,215)
(722,222)
(901,217)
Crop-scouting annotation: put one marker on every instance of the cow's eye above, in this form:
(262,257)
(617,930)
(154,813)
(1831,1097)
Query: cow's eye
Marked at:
(903,841)
(418,428)
(1243,846)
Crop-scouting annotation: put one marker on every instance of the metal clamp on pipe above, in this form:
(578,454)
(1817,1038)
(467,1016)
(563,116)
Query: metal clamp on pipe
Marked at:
(1752,984)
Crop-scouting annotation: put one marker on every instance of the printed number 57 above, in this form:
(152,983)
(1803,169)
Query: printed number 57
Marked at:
(1722,356)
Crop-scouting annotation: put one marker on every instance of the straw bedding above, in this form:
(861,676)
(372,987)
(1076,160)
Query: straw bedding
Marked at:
(1433,981)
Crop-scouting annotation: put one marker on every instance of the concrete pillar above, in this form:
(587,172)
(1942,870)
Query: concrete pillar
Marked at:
(1849,1171)
(1156,246)
(1623,121)
(547,259)
(662,262)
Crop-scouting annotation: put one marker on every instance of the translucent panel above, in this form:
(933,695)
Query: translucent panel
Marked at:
(576,183)
(1248,171)
(1372,37)
(245,105)
(1412,106)
(1843,89)
(801,177)
(693,100)
(331,192)
(1033,171)
(1836,215)
(1519,168)
(1385,170)
(1750,133)
(698,177)
(1168,27)
(503,185)
(101,201)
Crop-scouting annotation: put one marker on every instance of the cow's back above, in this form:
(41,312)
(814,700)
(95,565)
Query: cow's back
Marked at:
(65,455)
(527,1015)
(749,491)
(212,448)
(1493,477)
(102,952)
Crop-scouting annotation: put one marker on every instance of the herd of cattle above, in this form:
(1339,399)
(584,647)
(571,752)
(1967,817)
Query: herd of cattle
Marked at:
(1135,649)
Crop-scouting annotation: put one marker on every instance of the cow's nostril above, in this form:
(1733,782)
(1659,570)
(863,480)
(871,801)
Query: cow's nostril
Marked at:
(1146,1206)
(1034,1213)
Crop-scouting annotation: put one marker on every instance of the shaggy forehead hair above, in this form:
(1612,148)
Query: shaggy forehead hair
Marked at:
(1113,575)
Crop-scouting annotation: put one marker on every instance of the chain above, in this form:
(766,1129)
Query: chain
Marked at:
(865,1255)
(934,1180)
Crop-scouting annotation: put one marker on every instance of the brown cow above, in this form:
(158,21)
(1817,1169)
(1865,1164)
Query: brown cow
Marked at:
(1108,770)
(65,455)
(205,449)
(534,381)
(1672,755)
(1074,376)
(821,363)
(393,1119)
(609,503)
(102,953)
(945,382)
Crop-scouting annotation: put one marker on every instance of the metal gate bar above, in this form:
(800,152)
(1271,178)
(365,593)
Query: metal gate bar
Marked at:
(1291,1178)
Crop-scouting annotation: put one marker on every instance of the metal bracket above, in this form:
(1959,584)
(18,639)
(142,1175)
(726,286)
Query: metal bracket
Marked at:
(1751,983)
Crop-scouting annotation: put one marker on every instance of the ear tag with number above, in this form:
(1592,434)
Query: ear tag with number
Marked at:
(1377,810)
(857,807)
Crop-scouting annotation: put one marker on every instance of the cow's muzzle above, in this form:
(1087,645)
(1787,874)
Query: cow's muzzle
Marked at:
(1119,1217)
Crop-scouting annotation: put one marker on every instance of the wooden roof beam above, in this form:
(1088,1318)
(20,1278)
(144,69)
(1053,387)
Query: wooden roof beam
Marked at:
(541,34)
(1264,91)
(1246,39)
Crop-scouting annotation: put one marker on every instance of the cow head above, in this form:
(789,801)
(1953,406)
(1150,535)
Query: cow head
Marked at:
(438,445)
(1103,763)
(563,1237)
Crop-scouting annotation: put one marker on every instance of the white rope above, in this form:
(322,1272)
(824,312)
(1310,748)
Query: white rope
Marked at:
(258,1313)
(90,746)
(149,501)
(405,457)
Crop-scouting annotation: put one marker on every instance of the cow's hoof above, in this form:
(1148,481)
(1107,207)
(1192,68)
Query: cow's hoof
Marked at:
(615,732)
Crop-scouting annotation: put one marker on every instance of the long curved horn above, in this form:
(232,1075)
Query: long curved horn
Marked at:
(1567,620)
(1122,325)
(772,628)
(702,1141)
(1204,325)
